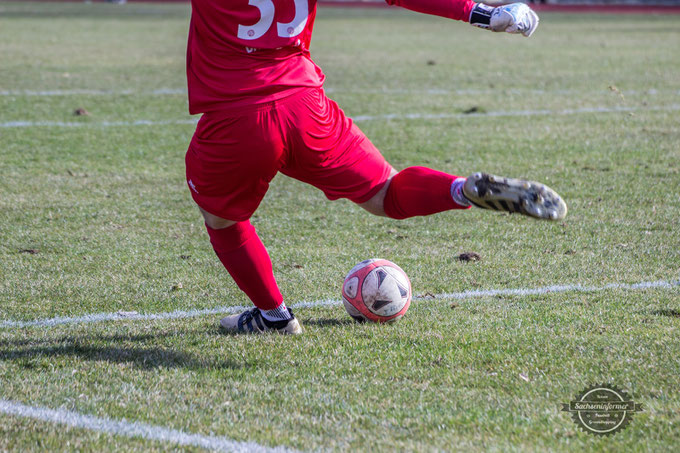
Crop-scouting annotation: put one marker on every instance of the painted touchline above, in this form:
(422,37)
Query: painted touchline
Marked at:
(358,118)
(360,91)
(132,429)
(503,113)
(92,92)
(33,124)
(471,294)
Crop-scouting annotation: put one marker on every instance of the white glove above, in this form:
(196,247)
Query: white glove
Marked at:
(512,18)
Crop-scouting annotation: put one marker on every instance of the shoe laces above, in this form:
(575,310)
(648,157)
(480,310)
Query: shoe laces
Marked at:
(249,315)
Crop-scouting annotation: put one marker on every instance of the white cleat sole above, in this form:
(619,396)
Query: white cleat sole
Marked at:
(514,195)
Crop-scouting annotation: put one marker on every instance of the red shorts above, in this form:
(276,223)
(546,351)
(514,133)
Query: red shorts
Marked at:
(234,155)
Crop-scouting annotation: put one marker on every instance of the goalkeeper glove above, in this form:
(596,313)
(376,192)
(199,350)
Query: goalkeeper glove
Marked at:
(512,18)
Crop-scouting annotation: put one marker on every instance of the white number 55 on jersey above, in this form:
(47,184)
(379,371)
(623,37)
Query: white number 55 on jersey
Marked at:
(267,10)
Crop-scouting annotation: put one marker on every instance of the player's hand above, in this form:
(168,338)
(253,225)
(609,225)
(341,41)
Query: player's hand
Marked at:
(512,18)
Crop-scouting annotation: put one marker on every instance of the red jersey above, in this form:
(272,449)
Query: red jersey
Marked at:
(243,52)
(249,51)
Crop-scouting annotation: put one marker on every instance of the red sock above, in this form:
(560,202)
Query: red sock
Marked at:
(418,191)
(247,261)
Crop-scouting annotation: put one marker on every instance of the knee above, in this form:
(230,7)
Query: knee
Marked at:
(376,205)
(214,222)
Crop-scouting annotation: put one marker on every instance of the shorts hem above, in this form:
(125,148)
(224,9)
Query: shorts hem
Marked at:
(374,190)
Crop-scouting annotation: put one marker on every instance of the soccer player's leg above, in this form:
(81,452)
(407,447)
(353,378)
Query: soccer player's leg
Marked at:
(331,153)
(229,166)
(421,191)
(335,156)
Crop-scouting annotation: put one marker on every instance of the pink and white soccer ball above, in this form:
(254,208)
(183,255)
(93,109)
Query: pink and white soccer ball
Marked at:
(376,290)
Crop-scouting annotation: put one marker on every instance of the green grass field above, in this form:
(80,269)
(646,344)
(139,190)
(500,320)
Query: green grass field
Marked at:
(96,218)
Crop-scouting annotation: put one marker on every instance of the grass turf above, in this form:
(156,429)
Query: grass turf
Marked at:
(108,215)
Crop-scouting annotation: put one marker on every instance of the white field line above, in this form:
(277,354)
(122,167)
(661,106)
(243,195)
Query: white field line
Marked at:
(32,124)
(132,429)
(431,91)
(496,91)
(358,118)
(502,113)
(560,289)
(464,295)
(89,92)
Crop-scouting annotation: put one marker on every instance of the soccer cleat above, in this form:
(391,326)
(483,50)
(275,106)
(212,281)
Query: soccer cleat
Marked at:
(514,195)
(251,321)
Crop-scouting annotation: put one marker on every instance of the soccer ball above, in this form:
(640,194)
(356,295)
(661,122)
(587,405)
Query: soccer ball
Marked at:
(376,290)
